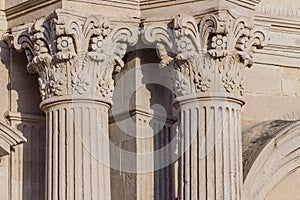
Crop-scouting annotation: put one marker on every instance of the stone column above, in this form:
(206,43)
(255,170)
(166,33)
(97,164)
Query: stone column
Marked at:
(77,149)
(210,145)
(75,58)
(207,59)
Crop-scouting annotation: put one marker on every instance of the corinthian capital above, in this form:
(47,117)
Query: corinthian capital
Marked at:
(208,56)
(75,55)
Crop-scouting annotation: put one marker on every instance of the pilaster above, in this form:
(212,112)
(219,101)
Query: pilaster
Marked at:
(27,161)
(141,126)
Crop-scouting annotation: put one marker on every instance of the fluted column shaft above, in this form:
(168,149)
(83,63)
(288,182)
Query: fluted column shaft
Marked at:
(210,142)
(75,57)
(207,61)
(77,149)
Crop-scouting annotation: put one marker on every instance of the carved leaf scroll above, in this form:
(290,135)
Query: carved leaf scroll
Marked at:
(75,56)
(211,51)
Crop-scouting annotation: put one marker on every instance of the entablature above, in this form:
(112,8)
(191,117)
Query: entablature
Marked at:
(27,11)
(282,22)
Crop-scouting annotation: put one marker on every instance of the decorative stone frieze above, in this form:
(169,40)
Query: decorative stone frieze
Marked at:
(209,56)
(277,11)
(75,56)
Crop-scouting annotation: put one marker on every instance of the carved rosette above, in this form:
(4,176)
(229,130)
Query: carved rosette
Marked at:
(208,57)
(75,56)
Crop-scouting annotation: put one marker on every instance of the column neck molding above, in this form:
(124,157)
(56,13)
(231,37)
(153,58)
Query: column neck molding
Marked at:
(73,100)
(196,98)
(208,56)
(75,55)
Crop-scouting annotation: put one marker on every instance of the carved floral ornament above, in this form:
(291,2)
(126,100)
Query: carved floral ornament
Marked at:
(74,56)
(209,56)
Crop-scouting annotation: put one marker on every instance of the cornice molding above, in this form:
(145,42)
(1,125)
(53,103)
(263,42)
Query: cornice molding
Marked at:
(129,4)
(281,19)
(27,7)
(282,22)
(75,55)
(277,11)
(208,56)
(143,112)
(24,117)
(151,4)
(250,4)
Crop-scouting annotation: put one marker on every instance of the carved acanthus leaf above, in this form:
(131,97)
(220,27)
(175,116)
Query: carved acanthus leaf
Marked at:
(75,56)
(211,51)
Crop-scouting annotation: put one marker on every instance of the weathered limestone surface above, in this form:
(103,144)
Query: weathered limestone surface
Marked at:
(276,72)
(75,59)
(256,138)
(77,149)
(204,52)
(28,161)
(277,163)
(207,59)
(284,190)
(211,165)
(139,127)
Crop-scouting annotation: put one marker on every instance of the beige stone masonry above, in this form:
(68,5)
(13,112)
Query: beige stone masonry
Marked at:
(207,59)
(75,58)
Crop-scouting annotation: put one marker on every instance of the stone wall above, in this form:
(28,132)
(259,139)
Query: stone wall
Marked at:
(272,92)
